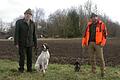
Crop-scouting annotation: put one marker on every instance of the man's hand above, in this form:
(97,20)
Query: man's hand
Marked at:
(101,45)
(83,46)
(35,49)
(17,46)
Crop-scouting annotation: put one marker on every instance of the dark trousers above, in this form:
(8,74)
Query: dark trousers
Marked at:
(22,52)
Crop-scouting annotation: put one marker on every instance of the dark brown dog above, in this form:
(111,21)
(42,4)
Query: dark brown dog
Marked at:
(77,66)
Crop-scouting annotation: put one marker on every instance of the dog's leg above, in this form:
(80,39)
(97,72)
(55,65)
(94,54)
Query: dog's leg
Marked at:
(37,67)
(43,68)
(40,67)
(46,64)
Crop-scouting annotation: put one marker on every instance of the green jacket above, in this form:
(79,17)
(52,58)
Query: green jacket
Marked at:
(25,34)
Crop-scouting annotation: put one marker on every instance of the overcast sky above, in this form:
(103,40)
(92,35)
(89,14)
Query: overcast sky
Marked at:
(10,9)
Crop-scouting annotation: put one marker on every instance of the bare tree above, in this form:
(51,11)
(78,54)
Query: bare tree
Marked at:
(88,7)
(57,23)
(95,9)
(82,20)
(3,26)
(38,15)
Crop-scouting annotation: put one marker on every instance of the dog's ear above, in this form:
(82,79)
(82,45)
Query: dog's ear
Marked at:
(46,45)
(42,46)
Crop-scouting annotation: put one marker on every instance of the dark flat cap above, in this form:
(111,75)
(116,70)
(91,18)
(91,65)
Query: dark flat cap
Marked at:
(93,15)
(28,11)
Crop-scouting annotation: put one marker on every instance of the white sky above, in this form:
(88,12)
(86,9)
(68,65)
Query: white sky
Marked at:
(10,9)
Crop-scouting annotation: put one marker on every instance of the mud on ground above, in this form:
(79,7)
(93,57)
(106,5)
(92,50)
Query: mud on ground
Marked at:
(65,51)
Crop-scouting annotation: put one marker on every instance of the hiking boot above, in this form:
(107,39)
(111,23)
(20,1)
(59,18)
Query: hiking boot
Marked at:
(29,70)
(102,74)
(20,70)
(94,70)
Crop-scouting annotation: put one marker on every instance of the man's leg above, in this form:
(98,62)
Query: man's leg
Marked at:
(91,50)
(29,59)
(101,58)
(21,58)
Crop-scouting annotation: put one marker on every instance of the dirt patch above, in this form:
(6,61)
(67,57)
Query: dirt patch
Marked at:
(65,51)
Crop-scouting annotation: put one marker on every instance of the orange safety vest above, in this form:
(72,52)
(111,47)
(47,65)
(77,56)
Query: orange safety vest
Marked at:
(101,33)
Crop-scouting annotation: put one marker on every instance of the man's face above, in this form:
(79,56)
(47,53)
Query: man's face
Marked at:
(95,19)
(27,16)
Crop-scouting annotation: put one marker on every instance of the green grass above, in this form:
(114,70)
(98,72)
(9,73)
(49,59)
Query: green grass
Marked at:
(8,71)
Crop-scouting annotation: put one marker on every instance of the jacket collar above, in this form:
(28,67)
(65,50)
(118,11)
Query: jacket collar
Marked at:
(25,21)
(90,22)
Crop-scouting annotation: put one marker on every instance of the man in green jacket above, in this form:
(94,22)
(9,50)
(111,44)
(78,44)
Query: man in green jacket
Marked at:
(25,39)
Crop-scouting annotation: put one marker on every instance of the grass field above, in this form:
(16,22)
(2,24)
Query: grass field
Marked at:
(8,71)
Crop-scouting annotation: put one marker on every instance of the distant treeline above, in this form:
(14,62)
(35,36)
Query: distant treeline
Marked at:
(68,23)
